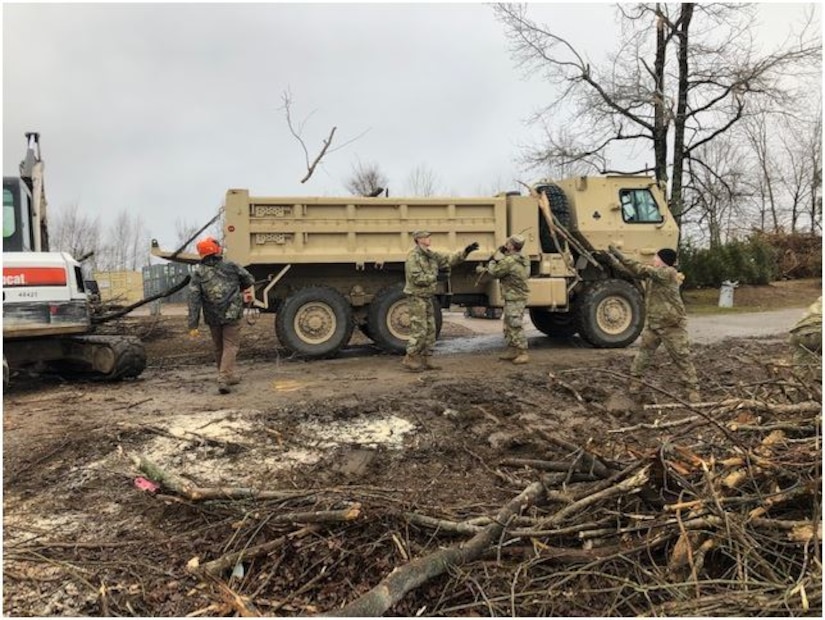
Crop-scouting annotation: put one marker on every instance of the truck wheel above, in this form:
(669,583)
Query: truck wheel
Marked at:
(554,324)
(315,321)
(388,319)
(610,314)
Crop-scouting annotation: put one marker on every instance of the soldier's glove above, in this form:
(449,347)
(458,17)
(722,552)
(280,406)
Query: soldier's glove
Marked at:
(614,251)
(194,333)
(481,269)
(470,248)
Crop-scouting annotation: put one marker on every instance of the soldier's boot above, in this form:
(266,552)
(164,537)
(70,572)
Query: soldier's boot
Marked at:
(510,354)
(233,380)
(634,388)
(427,363)
(693,396)
(411,362)
(522,357)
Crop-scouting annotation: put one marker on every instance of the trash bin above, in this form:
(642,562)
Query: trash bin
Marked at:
(726,294)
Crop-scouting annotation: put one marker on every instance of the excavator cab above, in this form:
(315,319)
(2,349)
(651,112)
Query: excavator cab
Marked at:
(25,226)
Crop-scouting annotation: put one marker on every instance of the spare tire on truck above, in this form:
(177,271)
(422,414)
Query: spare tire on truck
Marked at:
(559,208)
(388,319)
(610,313)
(314,322)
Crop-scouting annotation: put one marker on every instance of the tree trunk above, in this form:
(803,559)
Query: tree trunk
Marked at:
(660,112)
(676,203)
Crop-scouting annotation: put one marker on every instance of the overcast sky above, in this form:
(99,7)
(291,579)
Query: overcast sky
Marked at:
(163,107)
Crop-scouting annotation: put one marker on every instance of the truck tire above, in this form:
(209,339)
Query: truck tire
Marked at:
(559,208)
(314,322)
(388,319)
(610,314)
(554,324)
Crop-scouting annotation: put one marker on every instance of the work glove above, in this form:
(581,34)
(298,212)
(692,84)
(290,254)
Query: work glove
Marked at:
(194,333)
(614,251)
(471,248)
(481,269)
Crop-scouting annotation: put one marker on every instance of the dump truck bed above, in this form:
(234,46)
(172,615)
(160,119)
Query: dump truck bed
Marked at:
(355,229)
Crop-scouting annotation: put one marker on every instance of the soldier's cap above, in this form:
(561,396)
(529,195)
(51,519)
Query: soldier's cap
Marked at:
(420,234)
(517,241)
(667,256)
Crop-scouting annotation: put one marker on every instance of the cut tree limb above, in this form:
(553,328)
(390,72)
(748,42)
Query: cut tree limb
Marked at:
(410,576)
(199,494)
(225,562)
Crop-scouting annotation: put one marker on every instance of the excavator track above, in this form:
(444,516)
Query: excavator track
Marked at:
(107,356)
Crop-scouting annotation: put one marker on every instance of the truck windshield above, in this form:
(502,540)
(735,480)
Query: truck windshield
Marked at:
(639,206)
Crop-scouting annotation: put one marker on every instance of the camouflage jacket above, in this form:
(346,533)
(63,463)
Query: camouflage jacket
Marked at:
(513,271)
(811,321)
(421,269)
(663,302)
(215,288)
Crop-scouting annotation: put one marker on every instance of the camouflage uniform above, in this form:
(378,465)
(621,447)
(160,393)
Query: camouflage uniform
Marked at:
(215,288)
(666,320)
(421,272)
(513,270)
(806,336)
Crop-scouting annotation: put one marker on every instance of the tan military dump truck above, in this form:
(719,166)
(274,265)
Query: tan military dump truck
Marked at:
(327,265)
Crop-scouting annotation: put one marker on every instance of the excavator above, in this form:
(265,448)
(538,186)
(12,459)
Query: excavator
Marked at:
(48,320)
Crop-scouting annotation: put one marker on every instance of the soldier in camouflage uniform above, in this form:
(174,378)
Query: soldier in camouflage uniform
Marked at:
(806,337)
(421,272)
(513,269)
(666,317)
(216,288)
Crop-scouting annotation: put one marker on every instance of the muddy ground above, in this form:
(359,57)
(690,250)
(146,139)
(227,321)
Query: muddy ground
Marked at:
(81,537)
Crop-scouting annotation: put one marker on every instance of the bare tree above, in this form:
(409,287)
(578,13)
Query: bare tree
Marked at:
(801,145)
(75,232)
(422,181)
(127,247)
(693,74)
(366,180)
(185,233)
(767,174)
(715,196)
(297,132)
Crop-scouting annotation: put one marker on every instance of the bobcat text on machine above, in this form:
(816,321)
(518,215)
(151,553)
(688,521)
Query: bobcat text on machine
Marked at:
(325,265)
(47,317)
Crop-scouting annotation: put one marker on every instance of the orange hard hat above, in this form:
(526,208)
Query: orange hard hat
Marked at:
(208,246)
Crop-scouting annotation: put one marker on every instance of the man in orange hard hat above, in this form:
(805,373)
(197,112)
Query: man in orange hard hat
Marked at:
(216,289)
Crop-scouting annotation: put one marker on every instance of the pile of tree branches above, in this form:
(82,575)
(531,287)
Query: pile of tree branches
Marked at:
(685,510)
